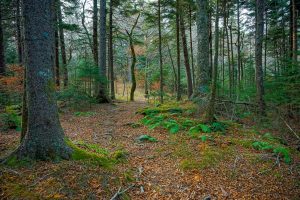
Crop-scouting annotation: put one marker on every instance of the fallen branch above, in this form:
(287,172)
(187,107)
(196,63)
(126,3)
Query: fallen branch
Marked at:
(120,192)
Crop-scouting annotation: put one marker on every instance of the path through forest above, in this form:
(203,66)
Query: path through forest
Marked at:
(167,169)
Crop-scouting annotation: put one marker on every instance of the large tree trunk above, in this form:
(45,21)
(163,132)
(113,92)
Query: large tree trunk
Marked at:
(203,68)
(45,138)
(62,44)
(2,61)
(160,53)
(178,52)
(260,5)
(211,108)
(95,31)
(102,89)
(186,58)
(111,52)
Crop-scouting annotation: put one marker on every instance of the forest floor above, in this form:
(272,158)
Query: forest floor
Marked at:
(176,166)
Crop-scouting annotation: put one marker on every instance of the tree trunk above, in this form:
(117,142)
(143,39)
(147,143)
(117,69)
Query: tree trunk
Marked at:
(19,35)
(202,72)
(111,52)
(57,68)
(191,46)
(45,138)
(95,31)
(62,45)
(2,60)
(186,58)
(178,52)
(132,68)
(293,30)
(160,53)
(238,45)
(211,108)
(24,109)
(102,89)
(173,67)
(233,71)
(228,55)
(260,4)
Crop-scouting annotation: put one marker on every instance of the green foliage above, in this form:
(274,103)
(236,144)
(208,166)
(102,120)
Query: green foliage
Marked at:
(144,138)
(278,150)
(84,114)
(75,97)
(218,127)
(11,119)
(200,128)
(13,161)
(284,152)
(89,155)
(258,145)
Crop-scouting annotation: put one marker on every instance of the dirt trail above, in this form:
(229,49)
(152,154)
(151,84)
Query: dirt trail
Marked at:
(155,168)
(160,176)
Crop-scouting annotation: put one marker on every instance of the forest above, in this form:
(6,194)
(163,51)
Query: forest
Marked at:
(149,99)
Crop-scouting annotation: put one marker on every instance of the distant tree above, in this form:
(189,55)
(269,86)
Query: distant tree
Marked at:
(95,31)
(111,51)
(160,53)
(2,61)
(44,138)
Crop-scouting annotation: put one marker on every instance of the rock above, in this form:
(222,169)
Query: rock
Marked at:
(207,198)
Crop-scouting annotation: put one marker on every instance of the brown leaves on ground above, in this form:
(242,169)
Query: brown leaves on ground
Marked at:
(171,168)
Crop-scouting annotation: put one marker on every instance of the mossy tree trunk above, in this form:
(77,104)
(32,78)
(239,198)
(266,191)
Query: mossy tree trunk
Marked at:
(44,139)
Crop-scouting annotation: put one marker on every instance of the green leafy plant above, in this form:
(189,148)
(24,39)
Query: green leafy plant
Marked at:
(284,152)
(258,145)
(144,138)
(84,114)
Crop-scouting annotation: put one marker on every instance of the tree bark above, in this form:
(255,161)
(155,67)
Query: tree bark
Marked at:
(2,59)
(211,108)
(19,35)
(191,46)
(202,72)
(111,52)
(186,58)
(238,45)
(178,52)
(102,89)
(133,62)
(45,138)
(260,5)
(57,68)
(293,30)
(95,31)
(62,44)
(160,53)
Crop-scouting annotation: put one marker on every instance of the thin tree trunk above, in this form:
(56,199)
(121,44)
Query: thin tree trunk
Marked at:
(62,45)
(191,46)
(173,67)
(211,108)
(293,30)
(45,137)
(160,53)
(57,67)
(260,4)
(19,35)
(228,54)
(233,72)
(238,45)
(95,31)
(266,44)
(111,52)
(186,58)
(133,62)
(2,59)
(178,52)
